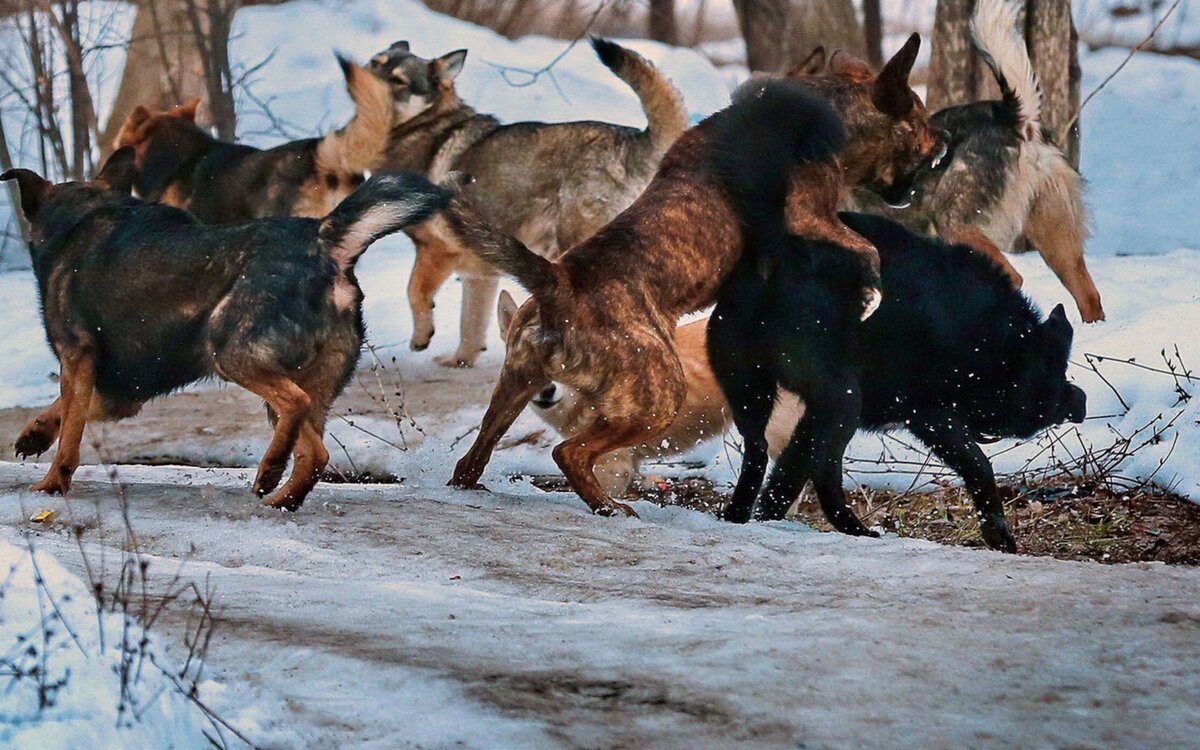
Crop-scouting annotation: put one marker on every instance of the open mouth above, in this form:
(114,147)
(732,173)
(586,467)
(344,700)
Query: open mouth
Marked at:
(936,161)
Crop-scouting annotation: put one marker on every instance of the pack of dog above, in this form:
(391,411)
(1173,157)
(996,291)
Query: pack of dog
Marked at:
(1004,178)
(181,164)
(953,369)
(602,317)
(141,299)
(549,185)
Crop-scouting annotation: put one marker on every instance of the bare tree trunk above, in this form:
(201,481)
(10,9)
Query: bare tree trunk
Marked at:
(957,74)
(662,21)
(781,33)
(873,32)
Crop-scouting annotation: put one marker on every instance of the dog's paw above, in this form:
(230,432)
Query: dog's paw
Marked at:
(420,341)
(464,484)
(455,360)
(614,508)
(285,499)
(268,479)
(871,298)
(733,514)
(996,535)
(32,444)
(56,482)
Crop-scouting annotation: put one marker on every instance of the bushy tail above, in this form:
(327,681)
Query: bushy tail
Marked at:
(994,30)
(771,127)
(382,205)
(666,114)
(537,275)
(359,146)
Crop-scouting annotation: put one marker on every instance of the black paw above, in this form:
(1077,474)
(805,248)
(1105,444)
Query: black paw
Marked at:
(996,535)
(33,444)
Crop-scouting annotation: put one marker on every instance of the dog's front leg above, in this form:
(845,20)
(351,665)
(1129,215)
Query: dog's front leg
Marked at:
(76,386)
(435,261)
(40,434)
(951,445)
(516,386)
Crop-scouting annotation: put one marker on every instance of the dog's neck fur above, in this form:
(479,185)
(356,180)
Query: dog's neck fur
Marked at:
(417,142)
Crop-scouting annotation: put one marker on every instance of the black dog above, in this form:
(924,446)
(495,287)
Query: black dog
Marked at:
(141,299)
(954,353)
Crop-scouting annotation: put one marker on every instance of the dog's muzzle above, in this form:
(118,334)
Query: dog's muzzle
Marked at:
(1076,403)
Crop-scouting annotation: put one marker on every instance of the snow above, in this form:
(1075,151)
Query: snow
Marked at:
(412,616)
(83,651)
(398,617)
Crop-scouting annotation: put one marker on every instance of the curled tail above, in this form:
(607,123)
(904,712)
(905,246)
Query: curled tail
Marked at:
(771,127)
(994,31)
(666,115)
(537,275)
(361,144)
(382,205)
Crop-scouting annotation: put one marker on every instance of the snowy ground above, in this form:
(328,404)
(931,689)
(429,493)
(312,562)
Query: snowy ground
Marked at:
(412,616)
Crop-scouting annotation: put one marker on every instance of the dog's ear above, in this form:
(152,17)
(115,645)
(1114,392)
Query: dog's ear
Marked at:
(187,110)
(400,46)
(892,94)
(118,172)
(812,65)
(1058,331)
(34,190)
(448,66)
(845,65)
(506,309)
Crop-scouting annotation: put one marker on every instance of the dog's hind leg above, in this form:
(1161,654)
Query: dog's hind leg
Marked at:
(751,396)
(516,386)
(291,406)
(434,263)
(815,451)
(310,459)
(965,458)
(479,299)
(40,434)
(577,457)
(975,239)
(76,387)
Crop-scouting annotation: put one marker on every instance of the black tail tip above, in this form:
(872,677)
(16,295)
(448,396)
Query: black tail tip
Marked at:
(609,52)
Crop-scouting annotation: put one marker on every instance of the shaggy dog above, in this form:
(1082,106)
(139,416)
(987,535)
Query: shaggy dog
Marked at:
(954,369)
(180,164)
(141,299)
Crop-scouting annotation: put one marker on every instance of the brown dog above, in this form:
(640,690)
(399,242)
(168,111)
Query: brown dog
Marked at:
(602,319)
(181,165)
(549,184)
(704,414)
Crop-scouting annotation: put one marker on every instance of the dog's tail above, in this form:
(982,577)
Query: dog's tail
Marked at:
(359,146)
(382,205)
(994,30)
(537,275)
(666,115)
(771,127)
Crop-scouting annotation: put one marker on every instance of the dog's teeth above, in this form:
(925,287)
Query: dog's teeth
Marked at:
(874,297)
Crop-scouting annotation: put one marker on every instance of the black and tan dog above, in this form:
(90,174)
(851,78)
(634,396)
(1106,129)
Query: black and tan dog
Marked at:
(1004,177)
(955,368)
(551,185)
(181,164)
(141,299)
(602,319)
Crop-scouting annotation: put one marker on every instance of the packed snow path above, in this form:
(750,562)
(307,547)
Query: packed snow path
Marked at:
(386,618)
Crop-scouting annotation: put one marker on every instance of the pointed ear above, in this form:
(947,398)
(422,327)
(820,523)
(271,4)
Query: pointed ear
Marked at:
(812,65)
(892,95)
(846,65)
(400,46)
(137,117)
(34,190)
(118,172)
(506,308)
(187,110)
(449,65)
(1058,329)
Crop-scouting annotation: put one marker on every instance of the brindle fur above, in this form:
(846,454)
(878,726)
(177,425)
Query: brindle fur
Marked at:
(602,318)
(141,299)
(181,164)
(550,185)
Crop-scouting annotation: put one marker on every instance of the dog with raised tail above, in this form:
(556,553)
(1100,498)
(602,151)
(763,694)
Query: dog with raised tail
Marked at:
(181,164)
(551,185)
(141,299)
(1004,177)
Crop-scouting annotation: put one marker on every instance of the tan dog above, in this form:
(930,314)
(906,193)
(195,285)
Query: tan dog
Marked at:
(602,319)
(551,185)
(704,414)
